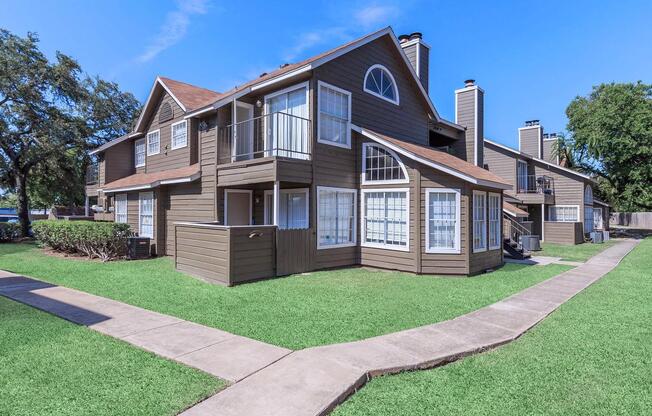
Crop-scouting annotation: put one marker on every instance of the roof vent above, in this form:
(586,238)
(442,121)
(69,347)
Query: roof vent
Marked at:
(262,75)
(531,123)
(469,82)
(403,38)
(284,65)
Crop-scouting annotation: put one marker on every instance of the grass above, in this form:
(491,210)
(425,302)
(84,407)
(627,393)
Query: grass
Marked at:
(51,366)
(579,252)
(591,357)
(295,312)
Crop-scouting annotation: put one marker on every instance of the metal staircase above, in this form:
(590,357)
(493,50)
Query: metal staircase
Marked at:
(512,241)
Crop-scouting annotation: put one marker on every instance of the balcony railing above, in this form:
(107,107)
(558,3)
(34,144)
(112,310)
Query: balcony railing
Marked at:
(532,184)
(92,173)
(275,134)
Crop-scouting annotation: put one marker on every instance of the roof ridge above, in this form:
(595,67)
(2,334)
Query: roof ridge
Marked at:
(162,78)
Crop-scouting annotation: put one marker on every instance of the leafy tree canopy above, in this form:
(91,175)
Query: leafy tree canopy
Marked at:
(612,126)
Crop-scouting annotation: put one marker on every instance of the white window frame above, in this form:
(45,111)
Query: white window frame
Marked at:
(122,198)
(141,196)
(355,219)
(375,94)
(364,181)
(172,145)
(267,209)
(499,227)
(458,221)
(158,144)
(306,87)
(363,230)
(238,191)
(485,229)
(346,145)
(144,142)
(577,209)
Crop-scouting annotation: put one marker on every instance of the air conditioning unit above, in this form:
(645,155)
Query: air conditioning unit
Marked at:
(605,235)
(138,248)
(596,237)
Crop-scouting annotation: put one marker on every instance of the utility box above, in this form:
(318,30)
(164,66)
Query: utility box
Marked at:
(597,237)
(138,248)
(530,243)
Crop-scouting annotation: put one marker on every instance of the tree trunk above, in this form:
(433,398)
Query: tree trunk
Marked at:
(23,203)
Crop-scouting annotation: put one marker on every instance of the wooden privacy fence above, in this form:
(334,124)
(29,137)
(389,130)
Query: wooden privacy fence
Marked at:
(225,254)
(632,219)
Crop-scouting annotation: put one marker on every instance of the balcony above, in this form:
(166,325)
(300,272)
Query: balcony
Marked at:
(533,189)
(92,174)
(268,148)
(269,135)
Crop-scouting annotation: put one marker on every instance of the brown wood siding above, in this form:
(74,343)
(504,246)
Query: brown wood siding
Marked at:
(502,163)
(407,121)
(186,202)
(424,65)
(118,162)
(548,150)
(294,251)
(247,172)
(530,141)
(168,158)
(563,232)
(465,148)
(252,258)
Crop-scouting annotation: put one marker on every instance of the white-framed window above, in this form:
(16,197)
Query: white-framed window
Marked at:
(381,165)
(588,195)
(334,108)
(522,176)
(179,134)
(495,212)
(121,208)
(293,207)
(588,218)
(139,152)
(597,219)
(443,220)
(286,123)
(380,82)
(563,213)
(385,218)
(153,142)
(336,211)
(479,221)
(146,214)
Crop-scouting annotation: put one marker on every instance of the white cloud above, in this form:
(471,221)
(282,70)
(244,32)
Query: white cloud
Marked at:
(310,39)
(374,15)
(174,28)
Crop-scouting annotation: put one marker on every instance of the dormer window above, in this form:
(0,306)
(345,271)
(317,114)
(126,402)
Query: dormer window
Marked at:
(379,82)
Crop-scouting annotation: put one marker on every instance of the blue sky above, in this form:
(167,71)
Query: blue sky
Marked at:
(531,58)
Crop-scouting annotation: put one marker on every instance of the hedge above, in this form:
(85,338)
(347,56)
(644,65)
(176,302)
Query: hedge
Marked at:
(102,240)
(9,231)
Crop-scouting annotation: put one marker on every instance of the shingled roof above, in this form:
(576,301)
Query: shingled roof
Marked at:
(191,96)
(152,180)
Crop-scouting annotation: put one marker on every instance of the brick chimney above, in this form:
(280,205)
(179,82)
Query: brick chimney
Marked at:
(469,112)
(530,138)
(418,53)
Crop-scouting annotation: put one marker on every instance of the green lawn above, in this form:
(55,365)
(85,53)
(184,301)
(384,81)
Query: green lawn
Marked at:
(579,252)
(591,357)
(49,366)
(295,312)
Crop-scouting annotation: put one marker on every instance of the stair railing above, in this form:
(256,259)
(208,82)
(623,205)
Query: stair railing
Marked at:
(516,230)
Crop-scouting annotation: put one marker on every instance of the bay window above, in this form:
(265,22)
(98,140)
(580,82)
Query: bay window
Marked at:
(336,217)
(443,220)
(385,219)
(479,221)
(334,126)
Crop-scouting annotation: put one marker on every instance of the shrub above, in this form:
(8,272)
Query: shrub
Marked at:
(8,231)
(103,240)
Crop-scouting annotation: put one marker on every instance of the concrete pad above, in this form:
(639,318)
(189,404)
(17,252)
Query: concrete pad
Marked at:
(480,335)
(130,323)
(233,358)
(177,339)
(538,293)
(512,319)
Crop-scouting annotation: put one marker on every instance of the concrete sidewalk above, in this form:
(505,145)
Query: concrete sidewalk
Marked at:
(313,381)
(222,354)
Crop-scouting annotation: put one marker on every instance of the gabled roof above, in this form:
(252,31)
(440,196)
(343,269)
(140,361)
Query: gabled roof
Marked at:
(545,162)
(438,160)
(152,180)
(311,63)
(109,144)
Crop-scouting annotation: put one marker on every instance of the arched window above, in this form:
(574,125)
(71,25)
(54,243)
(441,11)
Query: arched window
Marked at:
(381,165)
(379,82)
(588,195)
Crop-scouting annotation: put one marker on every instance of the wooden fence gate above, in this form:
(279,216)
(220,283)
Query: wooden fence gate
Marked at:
(293,251)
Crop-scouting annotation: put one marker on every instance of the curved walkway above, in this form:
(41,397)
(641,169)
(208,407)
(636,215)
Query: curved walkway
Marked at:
(270,380)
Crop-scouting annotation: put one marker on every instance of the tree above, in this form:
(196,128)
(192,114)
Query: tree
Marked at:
(50,114)
(612,126)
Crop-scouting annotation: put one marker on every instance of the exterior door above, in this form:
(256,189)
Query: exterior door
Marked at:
(237,207)
(597,219)
(243,132)
(287,126)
